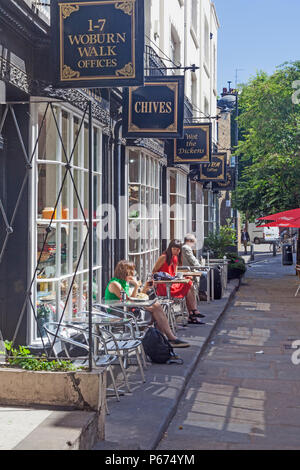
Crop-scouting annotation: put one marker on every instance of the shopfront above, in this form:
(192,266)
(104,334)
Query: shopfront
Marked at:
(63,135)
(144,176)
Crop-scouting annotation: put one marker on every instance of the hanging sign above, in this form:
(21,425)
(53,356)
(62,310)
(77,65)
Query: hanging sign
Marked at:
(98,43)
(214,171)
(155,109)
(229,183)
(195,147)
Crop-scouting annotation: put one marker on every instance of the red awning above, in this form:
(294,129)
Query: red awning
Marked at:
(289,218)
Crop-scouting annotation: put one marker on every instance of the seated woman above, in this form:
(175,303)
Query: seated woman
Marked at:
(123,278)
(168,263)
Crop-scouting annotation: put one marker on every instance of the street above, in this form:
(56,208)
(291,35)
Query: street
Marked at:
(245,392)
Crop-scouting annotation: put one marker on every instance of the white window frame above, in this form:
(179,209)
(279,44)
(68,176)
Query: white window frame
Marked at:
(82,273)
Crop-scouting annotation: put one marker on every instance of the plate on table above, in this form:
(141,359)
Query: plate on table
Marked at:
(144,298)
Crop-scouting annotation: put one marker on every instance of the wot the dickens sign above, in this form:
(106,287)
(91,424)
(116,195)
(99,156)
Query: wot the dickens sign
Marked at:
(98,43)
(195,147)
(155,109)
(229,183)
(214,171)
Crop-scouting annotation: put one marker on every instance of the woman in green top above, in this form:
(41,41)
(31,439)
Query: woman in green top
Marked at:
(123,278)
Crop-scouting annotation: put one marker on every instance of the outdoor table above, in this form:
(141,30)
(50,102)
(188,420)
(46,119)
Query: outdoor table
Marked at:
(196,272)
(128,304)
(168,285)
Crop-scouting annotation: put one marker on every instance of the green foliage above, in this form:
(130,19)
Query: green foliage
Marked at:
(218,243)
(22,358)
(269,149)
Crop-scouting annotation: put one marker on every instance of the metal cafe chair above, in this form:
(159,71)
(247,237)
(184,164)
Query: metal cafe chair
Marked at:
(134,330)
(68,337)
(112,342)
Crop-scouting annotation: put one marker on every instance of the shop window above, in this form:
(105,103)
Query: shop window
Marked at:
(59,256)
(143,211)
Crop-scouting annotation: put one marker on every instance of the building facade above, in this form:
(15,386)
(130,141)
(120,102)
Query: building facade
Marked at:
(140,200)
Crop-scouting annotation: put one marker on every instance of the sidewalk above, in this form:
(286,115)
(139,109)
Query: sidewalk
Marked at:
(138,421)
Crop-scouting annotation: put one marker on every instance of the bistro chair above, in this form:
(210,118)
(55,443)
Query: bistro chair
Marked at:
(71,337)
(135,330)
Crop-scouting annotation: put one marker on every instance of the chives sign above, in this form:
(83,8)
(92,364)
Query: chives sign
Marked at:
(229,183)
(195,147)
(155,109)
(214,171)
(98,43)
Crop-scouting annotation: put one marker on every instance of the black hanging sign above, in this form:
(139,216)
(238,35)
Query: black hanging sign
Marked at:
(195,147)
(214,171)
(98,43)
(155,109)
(229,183)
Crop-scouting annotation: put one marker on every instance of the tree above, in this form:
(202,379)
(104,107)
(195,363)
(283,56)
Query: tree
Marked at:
(269,149)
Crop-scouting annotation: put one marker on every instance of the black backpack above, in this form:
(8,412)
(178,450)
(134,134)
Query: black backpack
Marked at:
(158,348)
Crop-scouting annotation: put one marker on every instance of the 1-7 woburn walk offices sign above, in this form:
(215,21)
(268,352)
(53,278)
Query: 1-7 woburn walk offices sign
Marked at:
(98,43)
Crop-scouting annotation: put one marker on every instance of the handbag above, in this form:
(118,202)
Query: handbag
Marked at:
(162,276)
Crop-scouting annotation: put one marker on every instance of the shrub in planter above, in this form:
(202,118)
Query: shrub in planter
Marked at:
(236,266)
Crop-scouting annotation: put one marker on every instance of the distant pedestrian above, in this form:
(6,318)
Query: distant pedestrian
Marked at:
(245,239)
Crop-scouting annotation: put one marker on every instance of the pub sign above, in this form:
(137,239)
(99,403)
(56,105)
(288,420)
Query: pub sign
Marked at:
(228,184)
(214,171)
(98,43)
(195,147)
(155,109)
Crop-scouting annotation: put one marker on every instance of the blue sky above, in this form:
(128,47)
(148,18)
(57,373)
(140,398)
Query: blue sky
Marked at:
(256,35)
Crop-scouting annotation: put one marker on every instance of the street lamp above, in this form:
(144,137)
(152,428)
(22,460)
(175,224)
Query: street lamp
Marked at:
(229,103)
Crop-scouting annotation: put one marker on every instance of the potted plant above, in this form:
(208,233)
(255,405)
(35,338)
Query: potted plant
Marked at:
(236,266)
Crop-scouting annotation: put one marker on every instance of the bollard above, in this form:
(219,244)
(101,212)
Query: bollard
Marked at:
(274,249)
(252,252)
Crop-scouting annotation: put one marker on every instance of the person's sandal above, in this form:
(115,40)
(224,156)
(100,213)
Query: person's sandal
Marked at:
(193,320)
(198,314)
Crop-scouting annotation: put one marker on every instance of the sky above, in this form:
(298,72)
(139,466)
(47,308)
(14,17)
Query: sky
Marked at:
(255,35)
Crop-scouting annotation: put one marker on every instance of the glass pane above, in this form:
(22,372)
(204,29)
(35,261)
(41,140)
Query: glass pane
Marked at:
(77,195)
(47,190)
(86,195)
(65,204)
(134,236)
(48,136)
(46,252)
(86,146)
(143,201)
(148,171)
(97,192)
(65,248)
(46,305)
(97,155)
(65,151)
(96,247)
(172,182)
(143,169)
(134,201)
(76,143)
(134,167)
(76,244)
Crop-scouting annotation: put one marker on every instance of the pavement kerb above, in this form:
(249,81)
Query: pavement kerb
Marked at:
(192,366)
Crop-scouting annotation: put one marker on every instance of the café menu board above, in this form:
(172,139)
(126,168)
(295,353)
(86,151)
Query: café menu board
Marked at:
(214,171)
(98,43)
(155,109)
(195,147)
(229,183)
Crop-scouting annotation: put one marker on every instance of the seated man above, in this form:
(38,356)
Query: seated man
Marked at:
(189,259)
(123,278)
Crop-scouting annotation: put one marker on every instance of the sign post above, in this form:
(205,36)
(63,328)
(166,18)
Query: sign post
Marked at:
(195,147)
(98,43)
(155,109)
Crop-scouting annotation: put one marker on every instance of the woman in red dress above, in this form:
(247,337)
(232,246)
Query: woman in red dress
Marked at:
(168,263)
